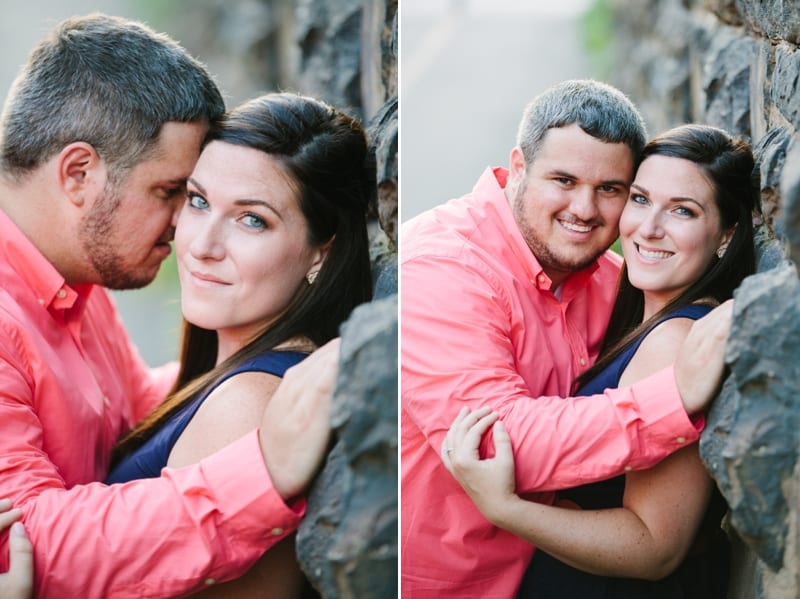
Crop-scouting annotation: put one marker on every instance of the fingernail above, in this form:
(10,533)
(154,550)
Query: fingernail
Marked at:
(18,529)
(4,502)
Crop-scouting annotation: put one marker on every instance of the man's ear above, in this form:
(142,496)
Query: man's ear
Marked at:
(516,170)
(80,172)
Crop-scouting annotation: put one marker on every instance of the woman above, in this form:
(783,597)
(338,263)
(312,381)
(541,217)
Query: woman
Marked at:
(687,238)
(17,583)
(272,255)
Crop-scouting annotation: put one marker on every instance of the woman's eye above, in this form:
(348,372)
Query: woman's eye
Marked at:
(638,198)
(196,200)
(684,211)
(254,221)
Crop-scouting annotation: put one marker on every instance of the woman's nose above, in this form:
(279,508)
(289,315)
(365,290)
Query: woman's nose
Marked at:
(207,242)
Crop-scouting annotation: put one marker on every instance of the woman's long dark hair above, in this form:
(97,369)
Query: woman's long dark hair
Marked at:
(325,153)
(729,166)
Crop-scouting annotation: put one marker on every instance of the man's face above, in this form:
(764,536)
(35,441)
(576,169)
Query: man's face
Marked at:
(127,232)
(567,203)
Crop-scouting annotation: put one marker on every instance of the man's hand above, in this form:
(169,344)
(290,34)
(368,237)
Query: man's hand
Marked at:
(700,363)
(17,583)
(295,430)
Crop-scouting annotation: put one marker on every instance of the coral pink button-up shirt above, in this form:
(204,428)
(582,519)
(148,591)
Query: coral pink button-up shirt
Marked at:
(70,383)
(480,327)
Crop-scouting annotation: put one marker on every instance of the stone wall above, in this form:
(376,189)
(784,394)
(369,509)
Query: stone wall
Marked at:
(735,64)
(344,52)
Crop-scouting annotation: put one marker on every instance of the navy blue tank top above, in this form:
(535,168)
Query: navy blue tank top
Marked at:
(148,460)
(698,577)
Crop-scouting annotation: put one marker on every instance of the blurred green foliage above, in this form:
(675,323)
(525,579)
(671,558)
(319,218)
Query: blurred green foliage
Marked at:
(597,29)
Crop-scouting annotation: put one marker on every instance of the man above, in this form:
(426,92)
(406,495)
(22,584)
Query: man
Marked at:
(99,134)
(506,297)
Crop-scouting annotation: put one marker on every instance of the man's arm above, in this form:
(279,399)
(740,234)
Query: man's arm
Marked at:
(457,351)
(158,537)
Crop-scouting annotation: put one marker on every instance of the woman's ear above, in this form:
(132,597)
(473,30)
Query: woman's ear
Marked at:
(319,259)
(80,172)
(726,239)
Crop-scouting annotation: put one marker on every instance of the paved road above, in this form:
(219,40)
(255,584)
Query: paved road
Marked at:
(467,69)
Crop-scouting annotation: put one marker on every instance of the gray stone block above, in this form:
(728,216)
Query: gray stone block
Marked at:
(776,19)
(347,542)
(726,81)
(751,441)
(790,191)
(770,153)
(784,83)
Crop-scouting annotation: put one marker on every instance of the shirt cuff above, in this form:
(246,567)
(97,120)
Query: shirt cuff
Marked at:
(240,482)
(665,421)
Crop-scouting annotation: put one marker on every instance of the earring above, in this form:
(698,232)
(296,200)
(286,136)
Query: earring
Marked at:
(721,251)
(311,277)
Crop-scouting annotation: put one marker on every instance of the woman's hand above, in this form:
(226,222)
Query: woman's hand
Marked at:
(17,583)
(488,482)
(296,428)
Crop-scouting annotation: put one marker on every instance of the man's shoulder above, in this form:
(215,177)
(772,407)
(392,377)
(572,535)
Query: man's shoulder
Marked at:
(448,230)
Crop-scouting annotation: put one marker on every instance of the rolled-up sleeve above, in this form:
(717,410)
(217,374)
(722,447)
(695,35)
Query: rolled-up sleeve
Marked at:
(158,537)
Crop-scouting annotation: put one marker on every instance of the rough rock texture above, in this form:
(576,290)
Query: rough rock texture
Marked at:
(736,64)
(347,542)
(790,219)
(752,442)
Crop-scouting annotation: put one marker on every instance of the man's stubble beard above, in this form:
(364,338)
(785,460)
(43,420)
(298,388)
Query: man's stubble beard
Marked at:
(543,253)
(96,237)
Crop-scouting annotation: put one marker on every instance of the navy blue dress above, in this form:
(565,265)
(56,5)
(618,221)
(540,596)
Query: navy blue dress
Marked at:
(148,460)
(702,575)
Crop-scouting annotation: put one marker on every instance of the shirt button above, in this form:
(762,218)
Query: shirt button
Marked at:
(106,401)
(210,581)
(583,361)
(41,301)
(61,294)
(628,468)
(540,278)
(277,531)
(681,439)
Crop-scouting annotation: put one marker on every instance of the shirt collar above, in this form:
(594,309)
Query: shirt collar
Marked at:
(39,274)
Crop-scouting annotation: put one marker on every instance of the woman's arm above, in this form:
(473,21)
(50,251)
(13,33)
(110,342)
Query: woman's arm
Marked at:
(230,411)
(17,583)
(646,538)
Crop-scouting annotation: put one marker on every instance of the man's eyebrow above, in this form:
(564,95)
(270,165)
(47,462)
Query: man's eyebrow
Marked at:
(617,183)
(566,175)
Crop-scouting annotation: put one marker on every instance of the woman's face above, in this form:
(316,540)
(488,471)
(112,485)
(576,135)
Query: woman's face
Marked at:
(670,228)
(241,243)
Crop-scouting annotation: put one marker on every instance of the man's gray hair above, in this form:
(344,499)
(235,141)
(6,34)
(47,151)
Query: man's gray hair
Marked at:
(107,81)
(599,109)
